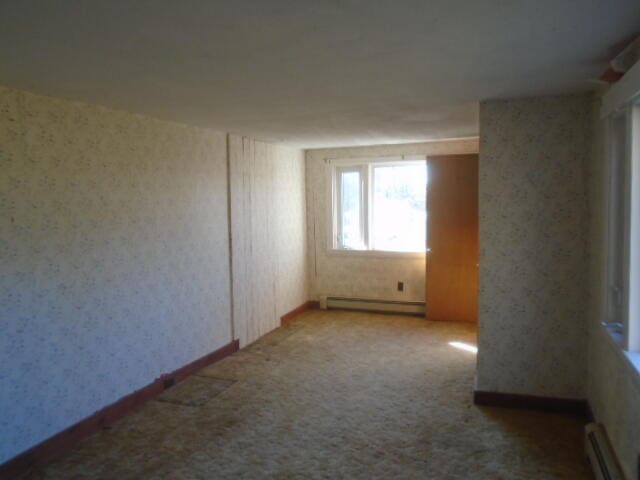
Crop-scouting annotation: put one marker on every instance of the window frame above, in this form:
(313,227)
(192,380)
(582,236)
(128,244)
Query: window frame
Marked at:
(623,97)
(618,198)
(623,146)
(366,166)
(632,326)
(364,227)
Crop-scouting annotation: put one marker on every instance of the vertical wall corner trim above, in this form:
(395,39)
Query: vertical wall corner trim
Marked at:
(230,236)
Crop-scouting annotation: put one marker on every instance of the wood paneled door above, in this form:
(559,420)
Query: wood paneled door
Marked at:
(452,238)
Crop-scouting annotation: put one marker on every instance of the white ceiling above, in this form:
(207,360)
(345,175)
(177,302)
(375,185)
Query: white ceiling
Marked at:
(311,73)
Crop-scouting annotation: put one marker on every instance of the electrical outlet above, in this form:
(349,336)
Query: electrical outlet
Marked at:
(401,286)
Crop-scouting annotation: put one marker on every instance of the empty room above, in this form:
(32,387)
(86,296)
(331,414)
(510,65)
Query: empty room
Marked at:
(320,239)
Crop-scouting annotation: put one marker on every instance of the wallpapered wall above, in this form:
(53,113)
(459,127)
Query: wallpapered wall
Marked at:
(613,389)
(354,275)
(115,258)
(533,246)
(115,254)
(268,234)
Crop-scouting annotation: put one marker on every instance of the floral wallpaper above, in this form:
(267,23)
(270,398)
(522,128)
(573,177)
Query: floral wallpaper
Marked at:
(268,234)
(533,246)
(115,258)
(354,275)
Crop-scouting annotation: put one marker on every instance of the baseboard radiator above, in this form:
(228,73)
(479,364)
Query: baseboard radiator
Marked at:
(371,305)
(600,454)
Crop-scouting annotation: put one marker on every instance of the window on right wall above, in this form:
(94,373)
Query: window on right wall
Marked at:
(617,255)
(623,229)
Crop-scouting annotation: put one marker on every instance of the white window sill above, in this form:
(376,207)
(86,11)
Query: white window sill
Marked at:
(374,253)
(630,359)
(634,359)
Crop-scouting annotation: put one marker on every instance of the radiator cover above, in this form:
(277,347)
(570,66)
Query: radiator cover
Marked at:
(373,305)
(600,454)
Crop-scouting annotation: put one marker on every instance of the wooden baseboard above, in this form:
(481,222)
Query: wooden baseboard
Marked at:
(289,316)
(105,417)
(576,407)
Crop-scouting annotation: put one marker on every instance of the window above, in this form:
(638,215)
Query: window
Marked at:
(632,244)
(617,250)
(380,205)
(351,225)
(620,107)
(623,229)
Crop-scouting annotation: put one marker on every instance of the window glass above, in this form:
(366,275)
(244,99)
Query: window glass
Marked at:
(351,210)
(617,227)
(399,207)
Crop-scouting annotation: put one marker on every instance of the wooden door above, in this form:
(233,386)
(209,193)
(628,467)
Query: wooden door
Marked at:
(452,237)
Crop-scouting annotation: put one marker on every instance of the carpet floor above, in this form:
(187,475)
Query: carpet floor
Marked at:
(333,395)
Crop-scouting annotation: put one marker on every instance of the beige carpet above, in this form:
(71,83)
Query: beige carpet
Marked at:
(333,395)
